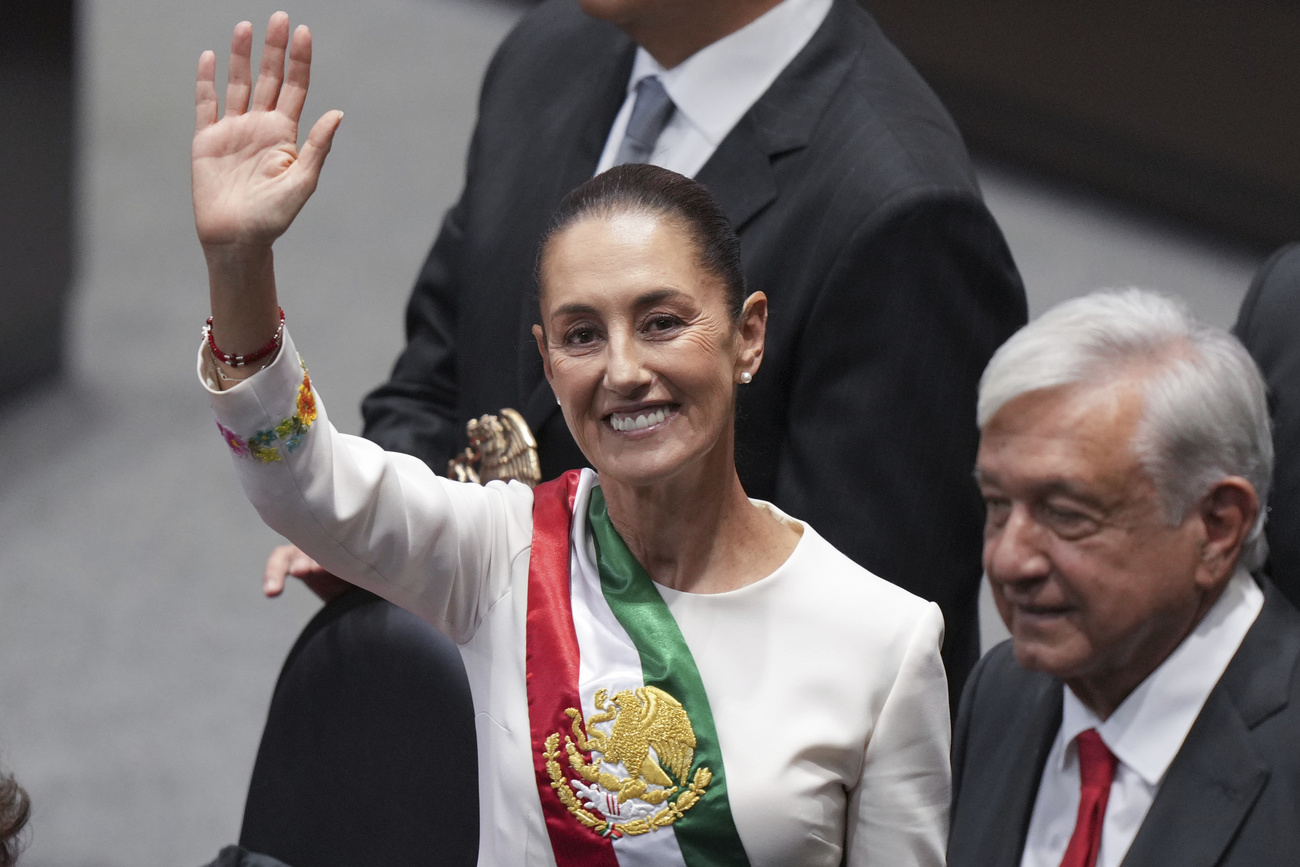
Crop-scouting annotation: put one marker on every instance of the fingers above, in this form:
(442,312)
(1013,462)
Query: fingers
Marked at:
(240,83)
(277,567)
(294,93)
(319,141)
(272,90)
(205,92)
(270,74)
(289,560)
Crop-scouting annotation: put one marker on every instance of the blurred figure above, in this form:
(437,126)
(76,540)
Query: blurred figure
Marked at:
(1146,707)
(1269,326)
(15,810)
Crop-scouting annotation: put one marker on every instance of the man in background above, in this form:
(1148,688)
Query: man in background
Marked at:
(1145,709)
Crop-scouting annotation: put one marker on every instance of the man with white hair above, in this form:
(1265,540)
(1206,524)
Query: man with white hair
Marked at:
(1146,710)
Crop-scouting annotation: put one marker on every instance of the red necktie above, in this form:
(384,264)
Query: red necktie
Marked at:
(1096,771)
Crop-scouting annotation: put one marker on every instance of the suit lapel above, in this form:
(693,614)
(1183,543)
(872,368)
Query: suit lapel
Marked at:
(1206,794)
(740,172)
(1218,775)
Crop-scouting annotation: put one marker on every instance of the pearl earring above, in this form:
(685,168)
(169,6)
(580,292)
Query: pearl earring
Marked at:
(746,377)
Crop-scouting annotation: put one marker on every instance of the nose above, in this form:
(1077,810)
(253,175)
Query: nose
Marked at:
(625,369)
(1015,552)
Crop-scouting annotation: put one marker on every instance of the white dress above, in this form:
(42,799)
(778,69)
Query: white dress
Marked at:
(825,681)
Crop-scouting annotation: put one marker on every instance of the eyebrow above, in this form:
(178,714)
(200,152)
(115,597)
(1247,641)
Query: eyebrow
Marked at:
(646,299)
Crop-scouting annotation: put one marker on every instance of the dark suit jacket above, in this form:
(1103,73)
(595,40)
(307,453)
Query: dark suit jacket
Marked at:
(1269,326)
(889,285)
(1230,798)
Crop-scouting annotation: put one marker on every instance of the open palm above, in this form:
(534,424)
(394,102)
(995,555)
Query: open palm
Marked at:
(249,178)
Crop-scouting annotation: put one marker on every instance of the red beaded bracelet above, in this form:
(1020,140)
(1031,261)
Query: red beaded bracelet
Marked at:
(240,360)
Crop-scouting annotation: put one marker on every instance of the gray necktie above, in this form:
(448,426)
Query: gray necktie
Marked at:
(650,114)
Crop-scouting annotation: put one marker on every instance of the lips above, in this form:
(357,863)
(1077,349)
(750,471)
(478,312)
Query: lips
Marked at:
(627,421)
(1042,613)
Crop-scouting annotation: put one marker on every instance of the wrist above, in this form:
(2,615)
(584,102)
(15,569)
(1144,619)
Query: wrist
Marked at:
(241,288)
(237,258)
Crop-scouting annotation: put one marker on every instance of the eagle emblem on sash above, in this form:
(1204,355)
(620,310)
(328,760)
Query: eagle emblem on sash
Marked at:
(641,746)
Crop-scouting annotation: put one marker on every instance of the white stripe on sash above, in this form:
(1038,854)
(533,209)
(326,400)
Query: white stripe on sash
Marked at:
(608,660)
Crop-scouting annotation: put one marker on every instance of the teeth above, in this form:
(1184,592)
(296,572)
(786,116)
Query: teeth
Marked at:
(627,423)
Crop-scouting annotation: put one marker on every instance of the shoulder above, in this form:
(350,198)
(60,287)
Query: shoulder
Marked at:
(831,570)
(1001,696)
(859,603)
(1272,304)
(997,677)
(1263,677)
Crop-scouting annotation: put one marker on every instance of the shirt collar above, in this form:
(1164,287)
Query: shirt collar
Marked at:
(714,87)
(1146,731)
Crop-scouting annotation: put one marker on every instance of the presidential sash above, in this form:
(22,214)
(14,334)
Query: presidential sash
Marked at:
(628,765)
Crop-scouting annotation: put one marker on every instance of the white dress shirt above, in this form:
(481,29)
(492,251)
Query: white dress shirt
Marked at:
(1144,733)
(715,86)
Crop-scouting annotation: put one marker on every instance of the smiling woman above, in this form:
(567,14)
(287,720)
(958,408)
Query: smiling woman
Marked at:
(663,670)
(645,335)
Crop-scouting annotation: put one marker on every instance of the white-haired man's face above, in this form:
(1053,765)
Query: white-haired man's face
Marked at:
(1095,585)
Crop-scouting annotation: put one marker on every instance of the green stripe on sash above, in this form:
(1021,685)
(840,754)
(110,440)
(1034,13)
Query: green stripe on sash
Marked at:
(706,833)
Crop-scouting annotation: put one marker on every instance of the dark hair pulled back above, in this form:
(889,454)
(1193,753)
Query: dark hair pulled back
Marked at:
(638,188)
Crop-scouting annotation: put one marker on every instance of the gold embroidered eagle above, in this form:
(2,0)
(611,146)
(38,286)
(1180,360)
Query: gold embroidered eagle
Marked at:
(644,717)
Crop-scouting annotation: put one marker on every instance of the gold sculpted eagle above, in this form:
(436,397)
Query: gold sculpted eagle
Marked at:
(500,447)
(644,717)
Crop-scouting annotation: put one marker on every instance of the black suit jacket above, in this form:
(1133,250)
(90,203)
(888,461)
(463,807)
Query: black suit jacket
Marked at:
(889,287)
(1269,326)
(1231,797)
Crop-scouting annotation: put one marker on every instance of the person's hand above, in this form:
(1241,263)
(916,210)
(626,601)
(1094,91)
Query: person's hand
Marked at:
(289,560)
(249,178)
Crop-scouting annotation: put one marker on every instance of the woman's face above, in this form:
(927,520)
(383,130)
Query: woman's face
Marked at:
(640,348)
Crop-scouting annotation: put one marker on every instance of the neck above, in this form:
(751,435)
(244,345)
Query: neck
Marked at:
(699,534)
(679,30)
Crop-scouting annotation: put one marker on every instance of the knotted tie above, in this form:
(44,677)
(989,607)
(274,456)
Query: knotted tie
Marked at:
(1096,772)
(650,114)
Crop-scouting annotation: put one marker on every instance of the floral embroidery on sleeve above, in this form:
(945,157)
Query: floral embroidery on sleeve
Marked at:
(234,440)
(288,432)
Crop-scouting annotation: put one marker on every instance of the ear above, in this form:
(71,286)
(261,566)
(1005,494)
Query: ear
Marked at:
(540,336)
(753,332)
(1228,514)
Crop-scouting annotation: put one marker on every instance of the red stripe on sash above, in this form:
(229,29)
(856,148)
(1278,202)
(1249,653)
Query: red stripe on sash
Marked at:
(552,658)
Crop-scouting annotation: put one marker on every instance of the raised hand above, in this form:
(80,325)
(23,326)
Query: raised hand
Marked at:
(249,178)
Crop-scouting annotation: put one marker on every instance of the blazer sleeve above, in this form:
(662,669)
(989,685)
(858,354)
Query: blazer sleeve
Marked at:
(441,549)
(898,811)
(882,399)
